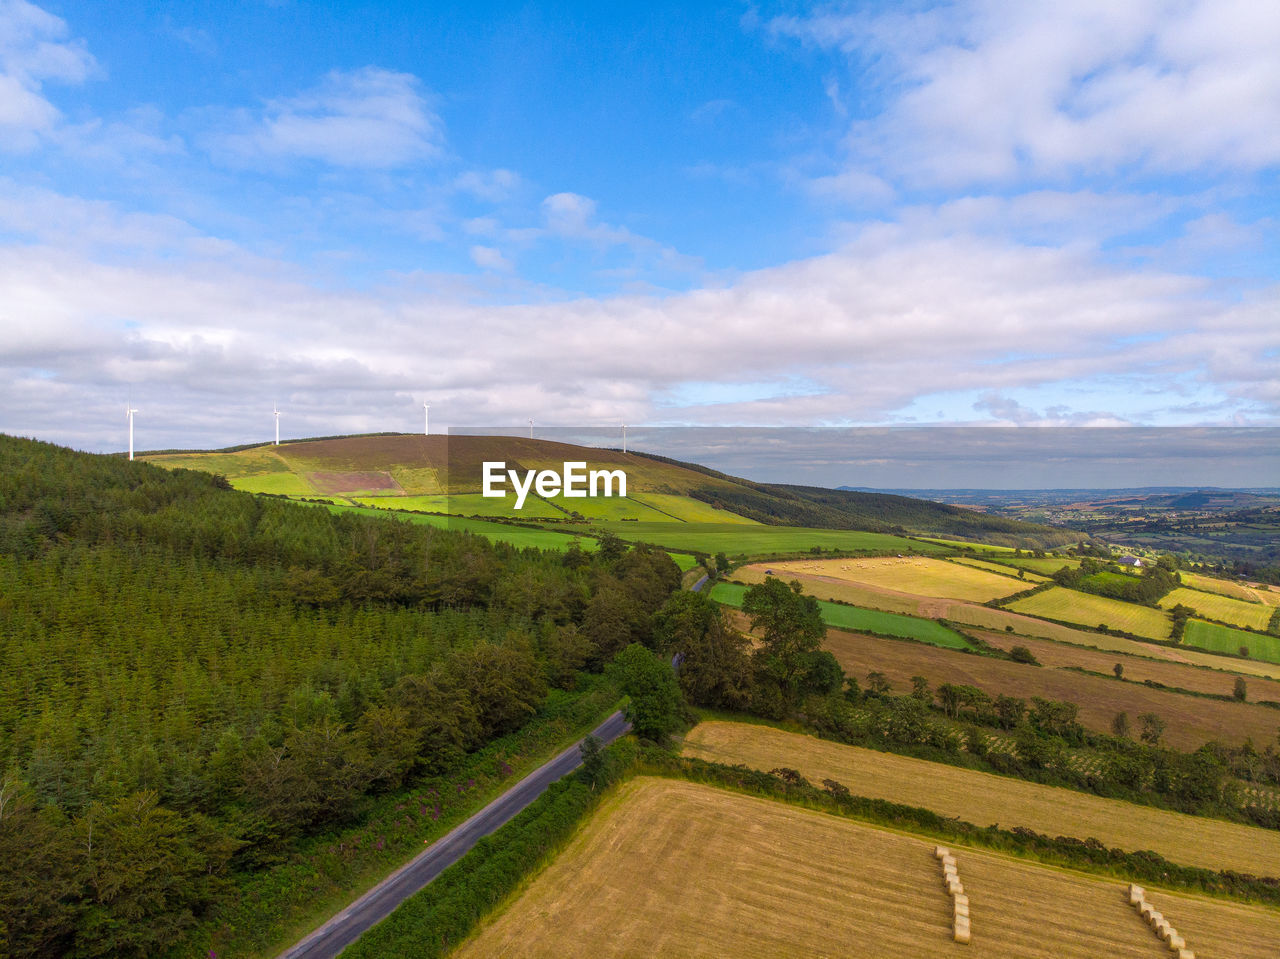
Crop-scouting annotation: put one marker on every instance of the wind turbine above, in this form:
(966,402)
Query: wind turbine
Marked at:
(531,429)
(426,419)
(128,413)
(276,412)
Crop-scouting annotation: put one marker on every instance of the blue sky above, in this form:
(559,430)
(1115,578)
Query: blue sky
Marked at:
(773,214)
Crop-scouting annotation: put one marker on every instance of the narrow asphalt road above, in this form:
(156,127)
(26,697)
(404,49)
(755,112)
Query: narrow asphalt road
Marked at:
(379,902)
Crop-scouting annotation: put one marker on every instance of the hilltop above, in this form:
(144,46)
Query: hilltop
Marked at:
(442,474)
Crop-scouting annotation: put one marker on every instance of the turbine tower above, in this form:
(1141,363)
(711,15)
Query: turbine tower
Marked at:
(128,412)
(426,419)
(624,437)
(531,429)
(276,412)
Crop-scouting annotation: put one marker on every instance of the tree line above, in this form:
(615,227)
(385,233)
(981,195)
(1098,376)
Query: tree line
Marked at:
(193,678)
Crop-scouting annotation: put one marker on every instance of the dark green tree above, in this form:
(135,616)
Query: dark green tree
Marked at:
(789,625)
(647,679)
(715,669)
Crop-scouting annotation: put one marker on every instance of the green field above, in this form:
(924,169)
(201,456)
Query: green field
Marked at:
(689,510)
(1071,606)
(610,509)
(994,568)
(1223,639)
(741,540)
(519,536)
(262,459)
(281,483)
(1222,608)
(979,547)
(855,618)
(466,504)
(1046,566)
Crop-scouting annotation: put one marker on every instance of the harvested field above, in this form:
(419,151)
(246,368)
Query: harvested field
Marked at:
(1191,721)
(982,798)
(1218,681)
(1222,608)
(1226,587)
(1219,929)
(733,875)
(918,575)
(1072,606)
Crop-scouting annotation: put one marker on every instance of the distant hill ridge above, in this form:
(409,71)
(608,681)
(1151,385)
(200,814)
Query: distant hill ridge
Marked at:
(413,465)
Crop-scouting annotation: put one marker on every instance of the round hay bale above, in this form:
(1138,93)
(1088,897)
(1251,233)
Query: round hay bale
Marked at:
(962,900)
(1186,954)
(941,851)
(1176,942)
(1136,894)
(961,933)
(1146,910)
(948,860)
(962,910)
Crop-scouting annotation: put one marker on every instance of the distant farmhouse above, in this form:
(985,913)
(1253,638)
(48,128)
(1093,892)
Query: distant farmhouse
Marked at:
(1131,561)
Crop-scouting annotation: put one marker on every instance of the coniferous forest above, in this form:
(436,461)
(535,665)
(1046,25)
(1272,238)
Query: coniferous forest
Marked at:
(192,678)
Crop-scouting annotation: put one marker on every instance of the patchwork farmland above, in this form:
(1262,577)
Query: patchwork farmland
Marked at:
(1191,720)
(1222,608)
(983,798)
(866,620)
(742,876)
(1217,678)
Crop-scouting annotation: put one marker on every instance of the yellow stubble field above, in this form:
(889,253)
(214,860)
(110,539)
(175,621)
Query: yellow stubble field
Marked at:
(983,798)
(670,868)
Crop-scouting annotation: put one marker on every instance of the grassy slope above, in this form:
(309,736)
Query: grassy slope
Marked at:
(1223,639)
(742,876)
(983,798)
(412,466)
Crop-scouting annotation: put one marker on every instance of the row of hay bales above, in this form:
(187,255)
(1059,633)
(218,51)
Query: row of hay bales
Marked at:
(1158,923)
(959,901)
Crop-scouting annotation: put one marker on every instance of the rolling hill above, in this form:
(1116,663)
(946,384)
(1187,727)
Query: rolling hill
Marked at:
(443,474)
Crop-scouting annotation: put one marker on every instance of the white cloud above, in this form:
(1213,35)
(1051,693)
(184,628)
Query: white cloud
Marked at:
(369,118)
(895,315)
(489,258)
(491,185)
(33,49)
(990,92)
